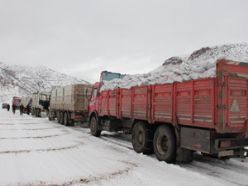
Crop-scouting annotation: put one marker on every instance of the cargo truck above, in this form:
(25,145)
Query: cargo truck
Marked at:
(26,103)
(16,101)
(174,120)
(40,103)
(69,104)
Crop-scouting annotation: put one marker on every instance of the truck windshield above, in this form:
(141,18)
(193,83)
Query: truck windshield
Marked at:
(108,76)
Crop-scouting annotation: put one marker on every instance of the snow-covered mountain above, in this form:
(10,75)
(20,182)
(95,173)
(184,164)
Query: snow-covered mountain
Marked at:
(199,64)
(17,80)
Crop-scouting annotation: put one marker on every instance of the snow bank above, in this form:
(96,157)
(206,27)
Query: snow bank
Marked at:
(199,64)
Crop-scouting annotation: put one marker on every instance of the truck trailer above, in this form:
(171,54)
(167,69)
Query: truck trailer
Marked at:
(40,103)
(174,120)
(16,102)
(69,104)
(26,103)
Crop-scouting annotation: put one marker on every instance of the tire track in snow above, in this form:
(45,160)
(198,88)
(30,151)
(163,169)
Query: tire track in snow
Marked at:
(205,165)
(40,150)
(32,137)
(90,179)
(47,128)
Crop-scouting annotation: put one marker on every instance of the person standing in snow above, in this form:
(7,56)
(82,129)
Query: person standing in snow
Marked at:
(8,107)
(21,109)
(13,108)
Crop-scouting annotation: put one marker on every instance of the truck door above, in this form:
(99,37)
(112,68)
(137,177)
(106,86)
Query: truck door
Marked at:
(93,105)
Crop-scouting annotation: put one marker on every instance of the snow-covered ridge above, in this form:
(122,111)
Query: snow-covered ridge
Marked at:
(18,80)
(200,64)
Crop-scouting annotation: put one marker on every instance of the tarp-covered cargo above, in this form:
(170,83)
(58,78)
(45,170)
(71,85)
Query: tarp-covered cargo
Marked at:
(71,98)
(25,101)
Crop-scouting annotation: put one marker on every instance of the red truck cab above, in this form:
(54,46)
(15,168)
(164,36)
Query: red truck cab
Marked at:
(94,101)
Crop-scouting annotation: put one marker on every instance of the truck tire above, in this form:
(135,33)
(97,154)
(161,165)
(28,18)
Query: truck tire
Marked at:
(70,120)
(164,144)
(50,116)
(59,117)
(142,137)
(94,127)
(62,118)
(66,120)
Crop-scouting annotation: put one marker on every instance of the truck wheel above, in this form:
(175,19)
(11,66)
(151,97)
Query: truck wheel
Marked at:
(142,138)
(50,116)
(59,117)
(66,121)
(62,118)
(94,127)
(164,144)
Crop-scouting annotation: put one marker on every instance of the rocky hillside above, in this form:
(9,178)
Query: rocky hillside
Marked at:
(22,80)
(199,64)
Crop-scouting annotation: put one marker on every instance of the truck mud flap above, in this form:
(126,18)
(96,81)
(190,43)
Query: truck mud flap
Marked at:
(196,139)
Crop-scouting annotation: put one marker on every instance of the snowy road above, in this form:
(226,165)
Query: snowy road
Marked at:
(34,151)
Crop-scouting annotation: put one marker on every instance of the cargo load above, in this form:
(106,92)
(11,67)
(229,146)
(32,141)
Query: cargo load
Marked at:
(70,103)
(199,64)
(25,101)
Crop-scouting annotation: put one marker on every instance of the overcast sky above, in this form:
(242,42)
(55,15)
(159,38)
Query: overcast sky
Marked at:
(84,37)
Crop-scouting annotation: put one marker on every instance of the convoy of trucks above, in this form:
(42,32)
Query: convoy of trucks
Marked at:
(172,120)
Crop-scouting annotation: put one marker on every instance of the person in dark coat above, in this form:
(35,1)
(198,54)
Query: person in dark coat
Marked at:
(13,109)
(21,109)
(8,107)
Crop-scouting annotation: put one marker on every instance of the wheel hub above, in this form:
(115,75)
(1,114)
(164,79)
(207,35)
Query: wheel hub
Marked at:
(162,145)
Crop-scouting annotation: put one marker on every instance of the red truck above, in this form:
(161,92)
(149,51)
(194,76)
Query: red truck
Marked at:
(174,120)
(16,102)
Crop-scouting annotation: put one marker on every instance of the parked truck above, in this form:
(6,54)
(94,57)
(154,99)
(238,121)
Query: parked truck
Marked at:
(40,103)
(26,103)
(176,119)
(16,101)
(69,104)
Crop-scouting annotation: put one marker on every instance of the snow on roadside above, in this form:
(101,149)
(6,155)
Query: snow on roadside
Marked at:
(200,64)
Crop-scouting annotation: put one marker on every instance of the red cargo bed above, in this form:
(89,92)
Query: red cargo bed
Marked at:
(218,103)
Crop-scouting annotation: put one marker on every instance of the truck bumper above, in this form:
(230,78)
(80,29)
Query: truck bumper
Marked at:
(232,147)
(208,142)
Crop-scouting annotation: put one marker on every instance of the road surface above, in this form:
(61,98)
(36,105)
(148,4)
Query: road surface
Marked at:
(34,151)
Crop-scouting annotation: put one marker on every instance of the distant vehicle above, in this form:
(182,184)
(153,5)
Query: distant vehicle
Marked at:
(6,106)
(173,120)
(40,103)
(69,104)
(26,103)
(16,102)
